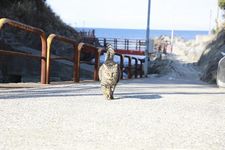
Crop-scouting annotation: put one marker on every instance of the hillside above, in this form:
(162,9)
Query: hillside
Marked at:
(206,53)
(35,13)
(210,57)
(38,14)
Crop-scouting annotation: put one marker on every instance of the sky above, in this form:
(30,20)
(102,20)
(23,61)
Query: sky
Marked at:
(132,14)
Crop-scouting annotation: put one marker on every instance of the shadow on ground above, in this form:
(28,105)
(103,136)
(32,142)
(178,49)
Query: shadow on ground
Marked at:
(124,91)
(140,96)
(92,92)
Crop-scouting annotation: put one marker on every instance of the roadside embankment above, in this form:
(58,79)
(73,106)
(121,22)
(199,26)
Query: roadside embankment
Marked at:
(205,52)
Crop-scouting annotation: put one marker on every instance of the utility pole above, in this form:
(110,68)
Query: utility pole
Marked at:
(171,39)
(147,40)
(172,28)
(217,18)
(210,21)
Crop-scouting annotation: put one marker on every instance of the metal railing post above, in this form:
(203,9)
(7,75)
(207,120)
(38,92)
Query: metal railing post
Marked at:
(129,66)
(50,39)
(105,42)
(141,67)
(136,67)
(121,64)
(35,30)
(92,49)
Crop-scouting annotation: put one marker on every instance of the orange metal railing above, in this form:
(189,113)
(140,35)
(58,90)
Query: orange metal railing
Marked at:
(129,66)
(78,48)
(137,71)
(141,68)
(27,28)
(90,49)
(50,40)
(121,64)
(136,67)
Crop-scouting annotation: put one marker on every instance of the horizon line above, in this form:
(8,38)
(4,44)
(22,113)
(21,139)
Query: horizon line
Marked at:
(139,29)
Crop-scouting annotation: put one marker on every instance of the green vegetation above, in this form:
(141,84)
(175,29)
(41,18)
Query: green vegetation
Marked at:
(222,4)
(38,14)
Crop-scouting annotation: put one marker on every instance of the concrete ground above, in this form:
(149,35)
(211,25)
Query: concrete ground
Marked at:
(174,111)
(149,113)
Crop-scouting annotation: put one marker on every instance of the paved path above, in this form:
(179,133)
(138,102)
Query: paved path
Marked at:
(150,113)
(176,111)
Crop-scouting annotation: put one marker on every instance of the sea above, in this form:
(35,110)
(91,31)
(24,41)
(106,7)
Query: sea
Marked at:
(141,33)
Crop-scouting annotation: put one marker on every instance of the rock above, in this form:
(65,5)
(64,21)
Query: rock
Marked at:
(221,73)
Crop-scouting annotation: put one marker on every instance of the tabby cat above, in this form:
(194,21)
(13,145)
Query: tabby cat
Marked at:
(109,74)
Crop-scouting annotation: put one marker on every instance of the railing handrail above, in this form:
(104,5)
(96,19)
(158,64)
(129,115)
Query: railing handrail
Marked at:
(78,47)
(112,38)
(50,39)
(35,30)
(87,48)
(125,44)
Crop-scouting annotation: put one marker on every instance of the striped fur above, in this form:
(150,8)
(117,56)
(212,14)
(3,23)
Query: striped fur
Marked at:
(109,75)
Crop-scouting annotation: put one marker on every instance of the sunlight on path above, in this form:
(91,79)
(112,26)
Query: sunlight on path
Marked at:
(148,113)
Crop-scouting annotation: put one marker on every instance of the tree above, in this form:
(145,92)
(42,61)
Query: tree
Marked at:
(221,4)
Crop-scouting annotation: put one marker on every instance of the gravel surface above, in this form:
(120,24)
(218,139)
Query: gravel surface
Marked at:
(167,112)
